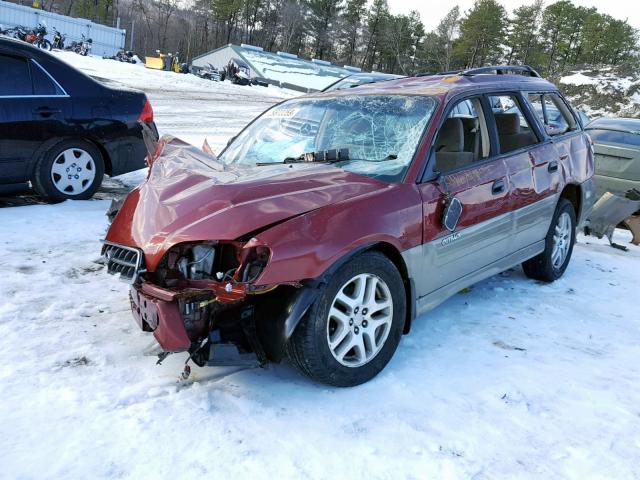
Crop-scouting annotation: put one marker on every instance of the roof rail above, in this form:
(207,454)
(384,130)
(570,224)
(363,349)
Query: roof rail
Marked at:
(500,70)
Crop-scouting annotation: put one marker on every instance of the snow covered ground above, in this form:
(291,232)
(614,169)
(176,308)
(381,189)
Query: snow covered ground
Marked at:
(512,379)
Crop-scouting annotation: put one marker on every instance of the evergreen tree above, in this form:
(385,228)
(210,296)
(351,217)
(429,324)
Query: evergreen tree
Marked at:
(556,33)
(322,17)
(358,32)
(482,33)
(352,21)
(436,50)
(522,36)
(377,19)
(403,34)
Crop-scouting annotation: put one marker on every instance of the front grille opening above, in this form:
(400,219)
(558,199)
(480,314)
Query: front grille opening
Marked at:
(123,261)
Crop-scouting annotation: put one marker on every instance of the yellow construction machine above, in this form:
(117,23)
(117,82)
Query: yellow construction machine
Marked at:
(163,61)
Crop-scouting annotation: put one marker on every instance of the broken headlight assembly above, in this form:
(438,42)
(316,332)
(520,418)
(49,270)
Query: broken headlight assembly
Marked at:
(231,263)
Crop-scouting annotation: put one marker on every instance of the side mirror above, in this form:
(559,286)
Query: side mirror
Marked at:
(452,214)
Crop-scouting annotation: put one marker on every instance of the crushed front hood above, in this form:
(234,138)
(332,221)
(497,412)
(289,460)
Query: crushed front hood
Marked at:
(189,196)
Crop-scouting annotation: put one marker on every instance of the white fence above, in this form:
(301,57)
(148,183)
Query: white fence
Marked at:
(106,40)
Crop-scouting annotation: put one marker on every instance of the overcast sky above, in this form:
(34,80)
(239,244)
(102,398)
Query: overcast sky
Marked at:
(431,12)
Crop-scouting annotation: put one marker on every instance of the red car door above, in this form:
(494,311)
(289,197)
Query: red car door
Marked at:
(472,173)
(531,165)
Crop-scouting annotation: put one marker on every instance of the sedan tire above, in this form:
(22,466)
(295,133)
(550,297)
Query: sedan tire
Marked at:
(70,170)
(353,329)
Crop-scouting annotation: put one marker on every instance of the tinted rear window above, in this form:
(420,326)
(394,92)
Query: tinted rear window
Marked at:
(42,83)
(14,76)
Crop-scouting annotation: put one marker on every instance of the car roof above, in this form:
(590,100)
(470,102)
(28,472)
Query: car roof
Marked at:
(450,84)
(620,124)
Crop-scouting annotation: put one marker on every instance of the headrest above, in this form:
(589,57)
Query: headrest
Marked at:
(451,137)
(508,123)
(470,124)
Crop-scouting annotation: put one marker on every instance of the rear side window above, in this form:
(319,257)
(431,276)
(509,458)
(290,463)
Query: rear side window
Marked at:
(22,77)
(514,130)
(14,76)
(553,113)
(42,82)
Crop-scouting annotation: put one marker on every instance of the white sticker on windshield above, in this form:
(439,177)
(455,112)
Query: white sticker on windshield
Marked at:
(282,113)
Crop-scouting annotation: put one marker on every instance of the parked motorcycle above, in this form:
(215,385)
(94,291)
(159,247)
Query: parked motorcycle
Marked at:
(83,47)
(34,36)
(13,32)
(58,39)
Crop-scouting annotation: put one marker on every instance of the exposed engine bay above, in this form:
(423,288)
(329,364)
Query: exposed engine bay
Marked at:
(207,289)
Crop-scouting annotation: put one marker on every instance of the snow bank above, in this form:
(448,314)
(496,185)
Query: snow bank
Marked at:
(138,76)
(578,79)
(603,93)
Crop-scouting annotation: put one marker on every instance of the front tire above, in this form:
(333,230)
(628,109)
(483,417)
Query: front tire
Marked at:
(561,237)
(45,44)
(353,329)
(70,170)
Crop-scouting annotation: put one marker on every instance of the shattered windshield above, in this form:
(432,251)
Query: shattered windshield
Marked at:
(377,134)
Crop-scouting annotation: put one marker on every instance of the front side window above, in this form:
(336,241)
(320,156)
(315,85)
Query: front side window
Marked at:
(14,76)
(463,137)
(377,135)
(553,113)
(514,130)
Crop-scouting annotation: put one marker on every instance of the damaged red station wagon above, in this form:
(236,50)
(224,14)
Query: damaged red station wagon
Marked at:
(333,220)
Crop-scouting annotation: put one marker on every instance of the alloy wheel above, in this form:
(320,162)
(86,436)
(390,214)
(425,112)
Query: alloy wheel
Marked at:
(561,240)
(359,320)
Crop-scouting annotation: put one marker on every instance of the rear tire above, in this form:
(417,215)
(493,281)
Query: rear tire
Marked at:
(561,237)
(70,170)
(347,338)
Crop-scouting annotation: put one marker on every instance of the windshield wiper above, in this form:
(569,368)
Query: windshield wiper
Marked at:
(327,156)
(322,156)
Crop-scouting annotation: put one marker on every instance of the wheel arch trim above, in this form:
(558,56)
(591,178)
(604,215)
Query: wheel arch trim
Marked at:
(302,300)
